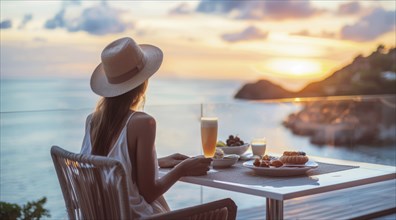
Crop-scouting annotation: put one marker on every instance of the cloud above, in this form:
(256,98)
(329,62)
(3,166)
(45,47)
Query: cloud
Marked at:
(57,21)
(6,24)
(371,26)
(221,7)
(97,20)
(323,34)
(100,20)
(349,8)
(250,33)
(26,19)
(181,9)
(285,9)
(289,9)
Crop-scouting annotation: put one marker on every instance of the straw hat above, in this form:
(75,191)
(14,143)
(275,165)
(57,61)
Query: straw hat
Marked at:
(125,65)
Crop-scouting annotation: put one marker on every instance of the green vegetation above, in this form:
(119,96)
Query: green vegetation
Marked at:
(29,211)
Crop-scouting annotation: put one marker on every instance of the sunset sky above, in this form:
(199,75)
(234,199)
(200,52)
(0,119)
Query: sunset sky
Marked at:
(289,42)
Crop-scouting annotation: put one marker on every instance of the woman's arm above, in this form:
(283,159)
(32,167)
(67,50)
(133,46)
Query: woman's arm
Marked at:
(150,187)
(171,160)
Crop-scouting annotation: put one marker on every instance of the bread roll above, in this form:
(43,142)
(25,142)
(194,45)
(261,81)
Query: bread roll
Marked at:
(294,157)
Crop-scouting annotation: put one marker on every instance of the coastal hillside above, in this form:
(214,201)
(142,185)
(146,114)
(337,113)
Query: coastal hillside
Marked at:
(263,89)
(371,75)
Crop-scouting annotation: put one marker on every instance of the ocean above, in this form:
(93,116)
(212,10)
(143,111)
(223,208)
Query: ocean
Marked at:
(38,113)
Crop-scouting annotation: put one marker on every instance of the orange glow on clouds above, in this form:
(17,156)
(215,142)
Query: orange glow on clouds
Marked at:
(289,52)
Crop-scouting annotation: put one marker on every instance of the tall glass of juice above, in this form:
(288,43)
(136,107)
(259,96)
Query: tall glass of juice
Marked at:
(209,135)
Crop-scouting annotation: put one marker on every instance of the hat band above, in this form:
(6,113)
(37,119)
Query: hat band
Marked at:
(126,76)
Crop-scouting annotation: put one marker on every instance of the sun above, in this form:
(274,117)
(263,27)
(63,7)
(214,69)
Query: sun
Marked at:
(294,67)
(302,68)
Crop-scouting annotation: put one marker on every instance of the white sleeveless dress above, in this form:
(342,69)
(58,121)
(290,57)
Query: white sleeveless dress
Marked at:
(138,205)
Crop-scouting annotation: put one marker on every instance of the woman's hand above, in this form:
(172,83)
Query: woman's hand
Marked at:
(171,160)
(194,166)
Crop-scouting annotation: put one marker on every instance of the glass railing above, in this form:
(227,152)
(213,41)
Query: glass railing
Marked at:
(351,128)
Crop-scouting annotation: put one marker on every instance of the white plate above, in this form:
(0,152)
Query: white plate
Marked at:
(283,170)
(310,163)
(225,162)
(239,150)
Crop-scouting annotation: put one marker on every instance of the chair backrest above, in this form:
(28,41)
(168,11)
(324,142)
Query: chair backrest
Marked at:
(94,187)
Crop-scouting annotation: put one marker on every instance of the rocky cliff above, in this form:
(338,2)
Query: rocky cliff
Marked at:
(263,89)
(347,122)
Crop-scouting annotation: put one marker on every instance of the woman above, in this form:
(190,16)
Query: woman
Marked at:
(116,129)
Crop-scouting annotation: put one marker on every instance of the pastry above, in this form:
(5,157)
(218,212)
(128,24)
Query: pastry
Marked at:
(264,164)
(268,157)
(294,157)
(257,162)
(276,163)
(267,163)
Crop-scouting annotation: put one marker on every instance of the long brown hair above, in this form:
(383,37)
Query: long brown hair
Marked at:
(109,115)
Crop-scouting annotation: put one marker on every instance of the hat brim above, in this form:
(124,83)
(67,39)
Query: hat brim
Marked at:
(100,85)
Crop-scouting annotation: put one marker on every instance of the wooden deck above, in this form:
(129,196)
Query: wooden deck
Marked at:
(363,202)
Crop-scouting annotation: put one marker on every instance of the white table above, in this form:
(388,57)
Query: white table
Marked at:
(277,190)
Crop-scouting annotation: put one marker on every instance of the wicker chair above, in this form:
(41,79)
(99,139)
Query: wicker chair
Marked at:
(94,187)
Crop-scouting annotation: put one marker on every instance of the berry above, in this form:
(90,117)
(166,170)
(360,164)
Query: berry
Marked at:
(234,141)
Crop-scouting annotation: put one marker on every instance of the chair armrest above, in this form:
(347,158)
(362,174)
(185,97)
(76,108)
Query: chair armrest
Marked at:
(198,209)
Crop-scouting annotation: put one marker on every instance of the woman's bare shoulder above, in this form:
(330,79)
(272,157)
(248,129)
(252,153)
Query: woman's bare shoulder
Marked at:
(141,120)
(143,117)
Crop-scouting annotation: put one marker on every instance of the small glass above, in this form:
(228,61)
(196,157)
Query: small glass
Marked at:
(259,146)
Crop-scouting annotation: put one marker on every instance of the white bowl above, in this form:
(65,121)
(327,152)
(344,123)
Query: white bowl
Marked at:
(239,150)
(225,162)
